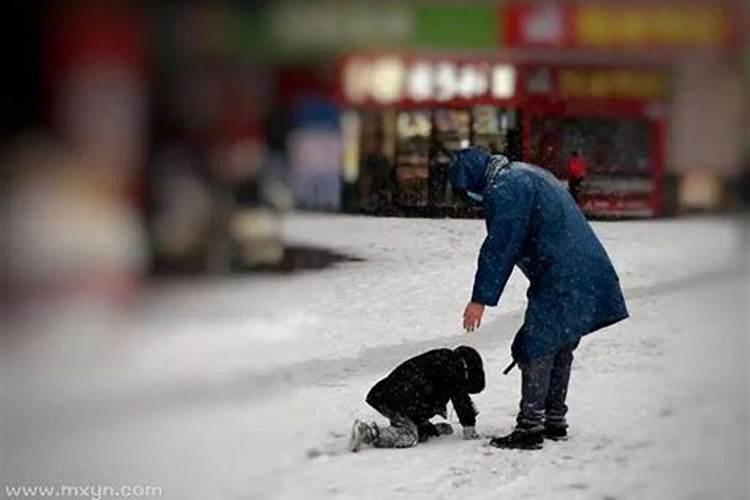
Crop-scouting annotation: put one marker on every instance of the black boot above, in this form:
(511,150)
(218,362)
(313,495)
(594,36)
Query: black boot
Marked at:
(556,432)
(519,439)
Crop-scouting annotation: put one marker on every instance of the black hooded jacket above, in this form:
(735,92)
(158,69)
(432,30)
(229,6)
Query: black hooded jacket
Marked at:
(420,387)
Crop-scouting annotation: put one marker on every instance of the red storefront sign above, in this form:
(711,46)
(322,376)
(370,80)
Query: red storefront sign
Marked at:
(619,25)
(595,82)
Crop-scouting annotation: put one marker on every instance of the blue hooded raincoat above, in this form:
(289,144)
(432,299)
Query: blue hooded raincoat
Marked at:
(533,223)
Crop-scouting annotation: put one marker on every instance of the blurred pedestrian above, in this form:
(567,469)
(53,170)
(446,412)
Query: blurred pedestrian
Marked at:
(577,173)
(383,181)
(532,223)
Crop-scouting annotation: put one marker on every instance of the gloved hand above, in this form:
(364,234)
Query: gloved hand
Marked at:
(471,433)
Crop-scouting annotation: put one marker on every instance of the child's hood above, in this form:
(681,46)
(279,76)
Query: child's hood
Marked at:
(474,368)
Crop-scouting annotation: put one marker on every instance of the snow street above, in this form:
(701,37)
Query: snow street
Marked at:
(246,387)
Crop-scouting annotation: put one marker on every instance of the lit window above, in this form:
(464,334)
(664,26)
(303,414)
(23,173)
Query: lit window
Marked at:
(387,80)
(357,80)
(419,84)
(503,81)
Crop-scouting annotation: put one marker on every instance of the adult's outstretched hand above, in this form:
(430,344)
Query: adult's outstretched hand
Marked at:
(473,316)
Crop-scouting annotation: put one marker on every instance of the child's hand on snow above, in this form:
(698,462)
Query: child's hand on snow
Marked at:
(471,433)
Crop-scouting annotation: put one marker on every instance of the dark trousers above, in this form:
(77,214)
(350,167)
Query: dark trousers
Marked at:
(544,388)
(575,185)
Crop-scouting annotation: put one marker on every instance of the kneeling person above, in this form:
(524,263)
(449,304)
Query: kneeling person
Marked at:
(417,390)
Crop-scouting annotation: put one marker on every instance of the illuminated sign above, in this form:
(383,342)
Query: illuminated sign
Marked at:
(389,79)
(618,24)
(642,84)
(611,83)
(651,26)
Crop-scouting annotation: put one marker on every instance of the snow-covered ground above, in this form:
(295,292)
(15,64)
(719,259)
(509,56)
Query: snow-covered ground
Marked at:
(246,387)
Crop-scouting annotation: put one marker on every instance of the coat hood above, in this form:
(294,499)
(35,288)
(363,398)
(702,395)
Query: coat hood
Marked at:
(474,368)
(472,168)
(468,168)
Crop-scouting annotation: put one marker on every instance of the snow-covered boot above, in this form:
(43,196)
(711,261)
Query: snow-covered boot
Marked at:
(519,439)
(363,434)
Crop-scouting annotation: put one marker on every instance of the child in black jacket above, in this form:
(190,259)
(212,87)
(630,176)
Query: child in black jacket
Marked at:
(417,390)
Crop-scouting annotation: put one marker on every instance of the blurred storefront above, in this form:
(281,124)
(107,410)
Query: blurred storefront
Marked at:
(223,111)
(353,105)
(414,110)
(615,117)
(640,89)
(531,112)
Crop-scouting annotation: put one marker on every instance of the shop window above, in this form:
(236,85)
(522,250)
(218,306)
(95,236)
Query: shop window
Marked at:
(414,173)
(413,130)
(612,148)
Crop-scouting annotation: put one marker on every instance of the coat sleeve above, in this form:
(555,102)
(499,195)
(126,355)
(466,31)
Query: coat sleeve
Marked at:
(507,211)
(467,413)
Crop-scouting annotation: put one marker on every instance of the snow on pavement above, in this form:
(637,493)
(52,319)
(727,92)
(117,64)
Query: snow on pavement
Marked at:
(246,387)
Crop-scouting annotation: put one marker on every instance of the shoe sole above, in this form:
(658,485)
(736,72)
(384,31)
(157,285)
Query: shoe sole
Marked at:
(355,441)
(501,446)
(556,438)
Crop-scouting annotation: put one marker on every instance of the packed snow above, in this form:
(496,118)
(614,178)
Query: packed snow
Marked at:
(246,386)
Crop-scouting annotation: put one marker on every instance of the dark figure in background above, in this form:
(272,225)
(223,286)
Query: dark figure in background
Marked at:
(382,181)
(574,290)
(513,146)
(576,174)
(417,390)
(437,179)
(744,187)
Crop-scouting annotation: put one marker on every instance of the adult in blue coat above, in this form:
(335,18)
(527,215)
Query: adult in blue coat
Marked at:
(533,223)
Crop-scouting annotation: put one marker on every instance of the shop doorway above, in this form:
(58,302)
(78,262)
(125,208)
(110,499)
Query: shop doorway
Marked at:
(423,139)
